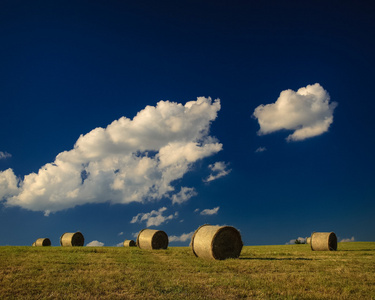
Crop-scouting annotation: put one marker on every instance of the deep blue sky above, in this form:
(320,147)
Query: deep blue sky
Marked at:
(68,67)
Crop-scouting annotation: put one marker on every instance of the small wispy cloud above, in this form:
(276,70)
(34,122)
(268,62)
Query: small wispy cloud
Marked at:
(210,212)
(352,239)
(181,238)
(95,244)
(5,155)
(184,195)
(308,112)
(301,240)
(260,149)
(218,169)
(120,233)
(154,218)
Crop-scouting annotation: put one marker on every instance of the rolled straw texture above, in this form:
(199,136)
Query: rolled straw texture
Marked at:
(42,242)
(129,243)
(70,239)
(216,242)
(323,241)
(152,239)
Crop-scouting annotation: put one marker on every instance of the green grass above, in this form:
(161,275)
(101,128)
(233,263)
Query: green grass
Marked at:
(261,272)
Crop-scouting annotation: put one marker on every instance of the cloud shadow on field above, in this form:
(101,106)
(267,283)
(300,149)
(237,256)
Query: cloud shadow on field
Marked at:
(356,250)
(273,258)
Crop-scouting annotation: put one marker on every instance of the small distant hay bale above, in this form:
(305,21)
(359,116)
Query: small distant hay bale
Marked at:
(323,241)
(216,242)
(33,244)
(129,243)
(308,240)
(69,239)
(152,239)
(42,242)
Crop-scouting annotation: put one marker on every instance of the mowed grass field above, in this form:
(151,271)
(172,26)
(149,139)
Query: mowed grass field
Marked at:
(261,272)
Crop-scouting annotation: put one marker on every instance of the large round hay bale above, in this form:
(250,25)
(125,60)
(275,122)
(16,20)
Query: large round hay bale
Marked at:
(129,243)
(216,242)
(42,242)
(308,240)
(69,239)
(323,241)
(152,239)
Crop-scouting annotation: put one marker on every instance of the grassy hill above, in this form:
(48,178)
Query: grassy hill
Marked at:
(261,272)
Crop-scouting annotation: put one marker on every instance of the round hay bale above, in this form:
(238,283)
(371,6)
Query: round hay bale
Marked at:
(42,242)
(152,239)
(69,239)
(308,240)
(129,243)
(33,244)
(216,242)
(323,241)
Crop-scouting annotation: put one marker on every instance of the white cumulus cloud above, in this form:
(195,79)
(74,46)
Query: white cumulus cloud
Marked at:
(154,218)
(308,112)
(8,184)
(182,238)
(218,169)
(95,244)
(128,161)
(209,212)
(352,239)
